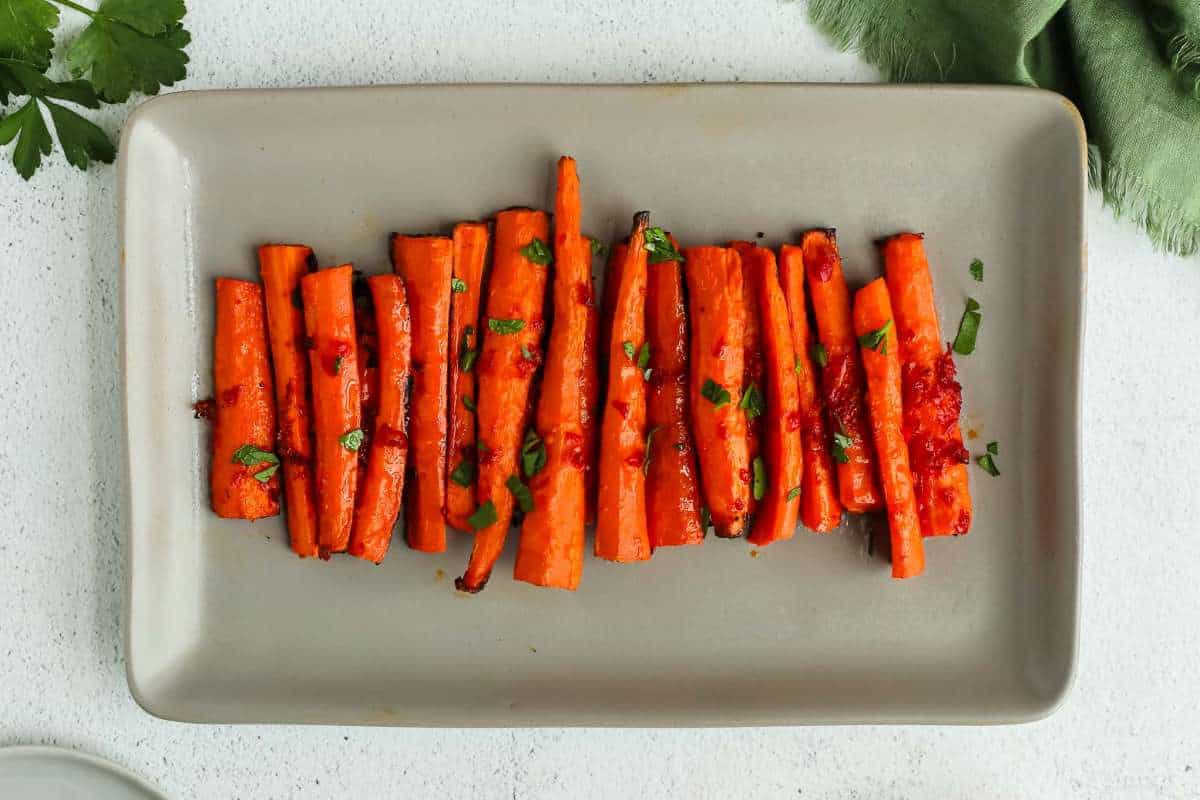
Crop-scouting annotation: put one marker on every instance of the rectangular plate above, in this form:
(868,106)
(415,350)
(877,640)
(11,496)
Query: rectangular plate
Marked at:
(225,625)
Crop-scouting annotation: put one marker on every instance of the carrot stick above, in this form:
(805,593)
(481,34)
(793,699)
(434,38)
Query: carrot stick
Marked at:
(714,280)
(383,484)
(932,395)
(551,543)
(881,360)
(590,415)
(510,357)
(672,492)
(470,264)
(779,506)
(282,266)
(842,377)
(426,263)
(752,359)
(621,533)
(820,508)
(337,403)
(243,481)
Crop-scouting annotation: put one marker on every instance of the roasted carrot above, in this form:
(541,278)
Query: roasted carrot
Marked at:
(243,482)
(551,543)
(876,334)
(590,397)
(842,377)
(752,359)
(337,403)
(470,264)
(621,533)
(672,492)
(932,395)
(718,322)
(426,263)
(511,355)
(281,267)
(381,488)
(783,447)
(820,508)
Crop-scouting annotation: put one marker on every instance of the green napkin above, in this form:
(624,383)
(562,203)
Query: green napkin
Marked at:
(1131,66)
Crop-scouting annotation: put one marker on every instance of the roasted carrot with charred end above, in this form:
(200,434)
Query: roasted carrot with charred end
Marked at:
(714,281)
(510,357)
(621,533)
(426,263)
(783,448)
(672,491)
(470,264)
(932,395)
(820,508)
(876,331)
(337,402)
(590,397)
(243,482)
(551,543)
(842,376)
(281,267)
(382,486)
(752,349)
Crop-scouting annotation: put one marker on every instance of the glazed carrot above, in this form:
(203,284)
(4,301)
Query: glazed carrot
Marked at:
(842,377)
(281,267)
(470,263)
(243,481)
(337,403)
(672,493)
(383,484)
(932,395)
(714,280)
(783,448)
(590,415)
(621,533)
(510,357)
(551,543)
(820,508)
(426,263)
(881,361)
(752,360)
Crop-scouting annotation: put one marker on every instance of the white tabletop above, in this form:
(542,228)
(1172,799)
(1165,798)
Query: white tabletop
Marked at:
(1130,727)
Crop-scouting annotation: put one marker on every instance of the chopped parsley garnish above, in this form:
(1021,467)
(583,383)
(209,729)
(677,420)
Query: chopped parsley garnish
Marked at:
(351,440)
(337,364)
(993,448)
(753,402)
(876,339)
(714,392)
(840,442)
(506,326)
(533,454)
(659,245)
(646,458)
(466,353)
(265,475)
(643,356)
(987,461)
(521,492)
(484,516)
(249,455)
(968,329)
(597,246)
(705,518)
(628,348)
(537,252)
(469,403)
(977,270)
(464,473)
(820,355)
(793,493)
(759,486)
(526,354)
(458,285)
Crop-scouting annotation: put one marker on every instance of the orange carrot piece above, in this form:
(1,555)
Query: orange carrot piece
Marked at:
(590,414)
(820,508)
(842,377)
(510,357)
(715,305)
(783,446)
(881,360)
(672,491)
(551,543)
(281,267)
(932,395)
(427,265)
(621,533)
(752,349)
(383,484)
(470,265)
(244,487)
(337,402)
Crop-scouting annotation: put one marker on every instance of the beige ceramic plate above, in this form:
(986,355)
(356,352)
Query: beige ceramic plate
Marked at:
(225,625)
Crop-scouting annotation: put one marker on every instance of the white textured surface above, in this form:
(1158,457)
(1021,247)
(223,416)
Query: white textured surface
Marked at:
(1130,728)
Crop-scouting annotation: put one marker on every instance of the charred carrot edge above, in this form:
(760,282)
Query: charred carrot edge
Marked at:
(714,281)
(842,380)
(550,552)
(881,361)
(752,359)
(932,395)
(590,414)
(383,484)
(337,403)
(245,405)
(510,357)
(820,508)
(783,446)
(426,263)
(470,265)
(672,490)
(281,267)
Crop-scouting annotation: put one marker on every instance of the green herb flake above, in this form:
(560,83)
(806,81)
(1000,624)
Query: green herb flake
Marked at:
(249,455)
(820,355)
(988,464)
(484,516)
(628,348)
(266,474)
(705,518)
(337,364)
(993,448)
(659,245)
(469,403)
(643,356)
(759,486)
(521,492)
(464,473)
(753,402)
(537,252)
(526,353)
(876,339)
(968,329)
(977,270)
(597,246)
(458,285)
(351,440)
(646,456)
(793,493)
(840,442)
(533,454)
(506,327)
(715,393)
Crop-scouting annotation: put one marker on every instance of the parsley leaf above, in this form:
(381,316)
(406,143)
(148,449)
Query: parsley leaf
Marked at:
(820,355)
(759,486)
(351,440)
(505,326)
(968,329)
(458,285)
(597,246)
(876,339)
(643,356)
(466,354)
(35,139)
(993,448)
(337,364)
(659,245)
(537,252)
(464,473)
(753,402)
(705,518)
(715,393)
(840,442)
(977,270)
(265,475)
(484,516)
(988,464)
(628,348)
(82,141)
(249,455)
(793,493)
(533,454)
(646,457)
(469,403)
(521,492)
(25,33)
(132,45)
